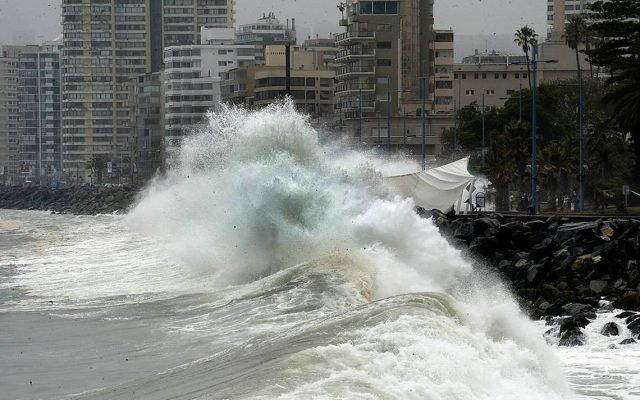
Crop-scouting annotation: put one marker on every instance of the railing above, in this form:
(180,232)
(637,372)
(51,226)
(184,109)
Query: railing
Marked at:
(355,52)
(356,69)
(355,34)
(354,87)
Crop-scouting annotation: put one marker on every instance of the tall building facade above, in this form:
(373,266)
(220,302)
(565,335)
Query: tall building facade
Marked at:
(147,111)
(9,125)
(559,12)
(106,44)
(387,69)
(40,117)
(443,53)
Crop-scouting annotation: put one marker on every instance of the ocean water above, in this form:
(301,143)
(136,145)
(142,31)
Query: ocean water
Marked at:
(270,266)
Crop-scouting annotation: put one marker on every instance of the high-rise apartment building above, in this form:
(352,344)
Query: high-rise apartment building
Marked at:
(9,113)
(147,111)
(192,79)
(106,44)
(559,12)
(40,118)
(443,52)
(386,69)
(267,30)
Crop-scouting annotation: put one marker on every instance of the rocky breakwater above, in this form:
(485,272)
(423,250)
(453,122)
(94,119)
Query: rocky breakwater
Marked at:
(561,269)
(84,200)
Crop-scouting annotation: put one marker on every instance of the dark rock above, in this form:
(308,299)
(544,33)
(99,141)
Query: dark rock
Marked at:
(572,337)
(532,273)
(535,225)
(634,326)
(625,314)
(597,286)
(549,292)
(631,300)
(610,329)
(628,341)
(578,308)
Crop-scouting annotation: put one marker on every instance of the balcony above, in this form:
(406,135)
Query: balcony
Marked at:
(355,70)
(346,37)
(344,89)
(346,54)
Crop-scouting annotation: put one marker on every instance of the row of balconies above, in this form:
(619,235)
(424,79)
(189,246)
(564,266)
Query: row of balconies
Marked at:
(354,53)
(345,37)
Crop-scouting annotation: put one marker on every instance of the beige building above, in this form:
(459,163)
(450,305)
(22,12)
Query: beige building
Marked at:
(312,82)
(105,45)
(559,12)
(443,53)
(489,76)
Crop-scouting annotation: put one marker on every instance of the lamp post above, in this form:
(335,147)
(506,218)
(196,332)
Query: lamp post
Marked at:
(534,151)
(425,82)
(455,126)
(483,129)
(388,79)
(520,96)
(581,141)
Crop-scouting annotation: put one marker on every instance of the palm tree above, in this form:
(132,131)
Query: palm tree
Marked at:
(98,163)
(575,35)
(556,162)
(501,167)
(526,37)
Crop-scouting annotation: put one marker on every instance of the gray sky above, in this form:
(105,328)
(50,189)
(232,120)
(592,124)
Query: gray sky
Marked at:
(34,21)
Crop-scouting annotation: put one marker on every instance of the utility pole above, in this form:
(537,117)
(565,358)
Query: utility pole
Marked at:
(389,114)
(425,82)
(483,129)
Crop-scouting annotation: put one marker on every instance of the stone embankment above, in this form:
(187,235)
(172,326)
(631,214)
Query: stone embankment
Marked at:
(561,269)
(83,200)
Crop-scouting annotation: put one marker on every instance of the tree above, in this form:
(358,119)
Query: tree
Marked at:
(526,37)
(615,24)
(501,168)
(98,163)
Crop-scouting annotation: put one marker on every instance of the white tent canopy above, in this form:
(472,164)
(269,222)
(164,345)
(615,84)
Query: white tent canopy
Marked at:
(437,188)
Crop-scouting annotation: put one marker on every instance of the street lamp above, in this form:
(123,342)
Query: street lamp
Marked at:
(534,162)
(424,82)
(388,79)
(483,129)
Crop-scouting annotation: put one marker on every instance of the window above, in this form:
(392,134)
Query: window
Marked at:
(496,76)
(383,62)
(504,76)
(378,7)
(517,75)
(491,92)
(383,27)
(469,92)
(476,76)
(484,76)
(383,45)
(464,76)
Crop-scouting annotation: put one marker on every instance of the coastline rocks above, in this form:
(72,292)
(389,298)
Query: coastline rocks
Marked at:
(610,329)
(555,262)
(82,200)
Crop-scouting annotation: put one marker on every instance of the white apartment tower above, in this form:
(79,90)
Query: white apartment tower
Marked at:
(192,79)
(106,44)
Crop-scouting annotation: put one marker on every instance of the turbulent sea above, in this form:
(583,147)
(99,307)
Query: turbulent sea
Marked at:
(270,266)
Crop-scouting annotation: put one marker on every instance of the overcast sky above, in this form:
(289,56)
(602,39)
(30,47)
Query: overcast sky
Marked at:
(35,21)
